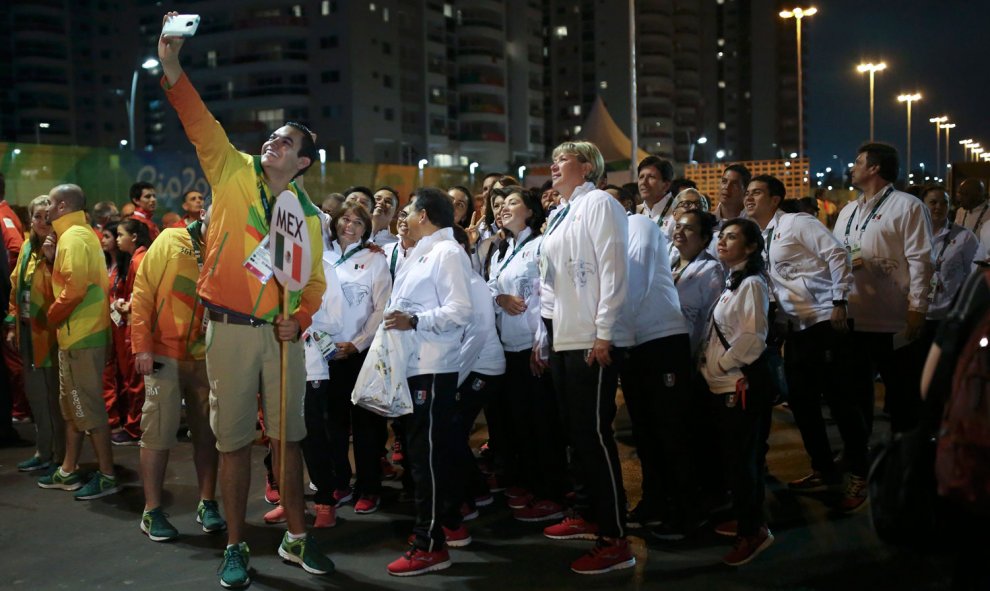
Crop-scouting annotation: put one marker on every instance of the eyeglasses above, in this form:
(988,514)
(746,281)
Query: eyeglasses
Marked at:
(403,215)
(688,205)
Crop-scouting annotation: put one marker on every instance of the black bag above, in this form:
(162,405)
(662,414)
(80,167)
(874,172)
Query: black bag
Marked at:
(765,375)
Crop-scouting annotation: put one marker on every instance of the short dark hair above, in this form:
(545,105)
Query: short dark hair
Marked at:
(678,185)
(885,157)
(138,188)
(926,189)
(742,171)
(664,167)
(624,195)
(359,211)
(394,193)
(359,189)
(490,175)
(436,204)
(755,264)
(774,187)
(706,224)
(308,147)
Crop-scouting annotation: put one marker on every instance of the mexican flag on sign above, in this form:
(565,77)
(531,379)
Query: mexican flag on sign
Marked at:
(288,260)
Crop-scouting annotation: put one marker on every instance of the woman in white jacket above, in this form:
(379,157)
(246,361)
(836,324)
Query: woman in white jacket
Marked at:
(533,442)
(366,285)
(737,338)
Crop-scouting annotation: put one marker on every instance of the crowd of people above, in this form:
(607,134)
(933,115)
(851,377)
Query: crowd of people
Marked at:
(530,305)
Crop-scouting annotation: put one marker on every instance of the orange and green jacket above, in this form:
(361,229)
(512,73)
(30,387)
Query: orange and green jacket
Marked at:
(33,272)
(81,310)
(166,313)
(239,222)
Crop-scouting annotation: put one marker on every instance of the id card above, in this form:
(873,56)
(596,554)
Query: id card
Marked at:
(259,263)
(323,342)
(25,304)
(116,317)
(855,255)
(935,286)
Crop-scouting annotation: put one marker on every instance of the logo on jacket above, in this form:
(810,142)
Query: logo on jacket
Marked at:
(419,397)
(884,267)
(354,293)
(580,271)
(477,384)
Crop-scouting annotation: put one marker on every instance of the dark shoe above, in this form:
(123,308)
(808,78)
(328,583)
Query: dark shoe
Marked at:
(748,548)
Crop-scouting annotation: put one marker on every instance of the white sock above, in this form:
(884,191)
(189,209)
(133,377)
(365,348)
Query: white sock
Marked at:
(62,472)
(295,537)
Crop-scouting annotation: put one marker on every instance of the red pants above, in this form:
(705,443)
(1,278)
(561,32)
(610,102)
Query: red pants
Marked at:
(15,365)
(130,396)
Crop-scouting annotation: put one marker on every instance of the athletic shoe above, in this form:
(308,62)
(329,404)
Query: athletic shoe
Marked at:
(71,481)
(748,548)
(389,471)
(32,464)
(814,482)
(539,511)
(457,538)
(397,455)
(271,492)
(854,496)
(643,516)
(572,528)
(520,502)
(467,513)
(326,516)
(514,492)
(419,562)
(729,529)
(208,515)
(123,438)
(155,525)
(606,556)
(668,533)
(98,486)
(483,500)
(494,485)
(343,496)
(233,570)
(306,553)
(276,515)
(367,504)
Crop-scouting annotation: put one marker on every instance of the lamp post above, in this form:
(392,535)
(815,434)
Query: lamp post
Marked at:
(948,153)
(909,98)
(797,14)
(938,121)
(148,65)
(872,69)
(976,152)
(37,131)
(699,142)
(965,144)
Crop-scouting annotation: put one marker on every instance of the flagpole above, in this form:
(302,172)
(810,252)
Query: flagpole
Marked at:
(282,399)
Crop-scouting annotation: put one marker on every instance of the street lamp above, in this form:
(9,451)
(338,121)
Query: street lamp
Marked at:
(948,159)
(965,144)
(976,153)
(148,65)
(699,142)
(797,14)
(909,98)
(872,69)
(720,154)
(37,130)
(938,121)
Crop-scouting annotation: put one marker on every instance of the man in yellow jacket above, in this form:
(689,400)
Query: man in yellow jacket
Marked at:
(167,339)
(243,305)
(81,311)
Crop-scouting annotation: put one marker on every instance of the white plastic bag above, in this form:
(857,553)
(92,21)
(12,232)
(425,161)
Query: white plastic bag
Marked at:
(381,384)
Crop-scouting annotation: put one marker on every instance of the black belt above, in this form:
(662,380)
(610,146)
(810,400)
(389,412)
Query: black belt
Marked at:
(233,318)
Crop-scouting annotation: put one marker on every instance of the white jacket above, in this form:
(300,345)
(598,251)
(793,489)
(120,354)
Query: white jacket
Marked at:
(366,284)
(741,315)
(328,319)
(953,251)
(698,287)
(433,284)
(518,275)
(897,259)
(652,308)
(384,237)
(809,268)
(975,219)
(584,258)
(395,255)
(481,350)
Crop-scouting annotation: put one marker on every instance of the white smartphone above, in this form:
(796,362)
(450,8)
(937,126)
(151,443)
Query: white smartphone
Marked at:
(181,25)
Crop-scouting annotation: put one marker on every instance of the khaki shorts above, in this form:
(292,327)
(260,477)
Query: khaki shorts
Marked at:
(164,391)
(243,362)
(80,387)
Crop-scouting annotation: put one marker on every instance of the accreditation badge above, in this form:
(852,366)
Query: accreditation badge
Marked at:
(259,263)
(855,255)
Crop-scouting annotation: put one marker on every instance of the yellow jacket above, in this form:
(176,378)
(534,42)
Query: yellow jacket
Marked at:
(32,272)
(81,309)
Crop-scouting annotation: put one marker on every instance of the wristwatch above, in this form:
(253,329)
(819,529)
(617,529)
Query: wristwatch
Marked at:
(836,303)
(413,321)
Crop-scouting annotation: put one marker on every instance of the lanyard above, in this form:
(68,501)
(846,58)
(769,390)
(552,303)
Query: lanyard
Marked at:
(266,203)
(195,230)
(24,280)
(559,218)
(663,213)
(870,217)
(395,258)
(513,255)
(945,244)
(769,242)
(678,274)
(976,226)
(348,255)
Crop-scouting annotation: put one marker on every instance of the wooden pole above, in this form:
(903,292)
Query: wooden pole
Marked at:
(282,400)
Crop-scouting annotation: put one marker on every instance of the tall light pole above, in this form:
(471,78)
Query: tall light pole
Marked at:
(948,153)
(965,144)
(872,69)
(797,14)
(909,98)
(938,121)
(148,65)
(633,96)
(976,152)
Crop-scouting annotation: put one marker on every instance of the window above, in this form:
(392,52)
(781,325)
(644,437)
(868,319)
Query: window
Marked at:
(371,7)
(297,11)
(330,76)
(211,59)
(272,118)
(385,14)
(576,110)
(560,32)
(325,7)
(389,115)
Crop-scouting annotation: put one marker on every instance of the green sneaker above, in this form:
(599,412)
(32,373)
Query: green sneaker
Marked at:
(234,568)
(33,463)
(55,480)
(306,553)
(98,486)
(157,527)
(208,515)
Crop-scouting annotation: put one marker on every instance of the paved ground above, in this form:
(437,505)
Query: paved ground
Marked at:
(49,541)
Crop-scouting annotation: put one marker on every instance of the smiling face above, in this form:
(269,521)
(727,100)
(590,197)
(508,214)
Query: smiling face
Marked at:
(732,246)
(567,173)
(350,228)
(39,221)
(402,224)
(687,237)
(280,154)
(514,213)
(497,202)
(362,200)
(384,205)
(758,203)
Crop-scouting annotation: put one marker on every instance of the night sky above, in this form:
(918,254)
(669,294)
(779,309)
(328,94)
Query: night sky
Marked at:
(932,47)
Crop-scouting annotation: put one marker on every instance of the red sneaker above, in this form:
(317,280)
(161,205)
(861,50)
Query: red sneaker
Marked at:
(747,548)
(419,562)
(539,511)
(388,470)
(520,502)
(729,529)
(271,493)
(457,538)
(467,513)
(483,500)
(367,504)
(607,555)
(397,455)
(493,484)
(514,492)
(276,515)
(342,496)
(572,528)
(326,516)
